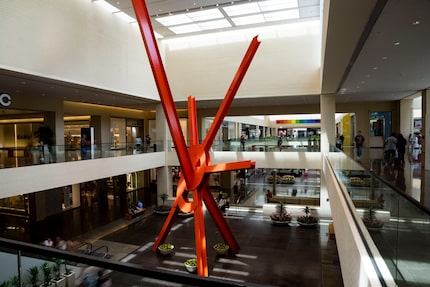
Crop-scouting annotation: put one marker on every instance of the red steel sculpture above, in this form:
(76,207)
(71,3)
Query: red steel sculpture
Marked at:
(195,160)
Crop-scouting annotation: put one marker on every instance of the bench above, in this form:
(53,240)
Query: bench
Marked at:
(137,213)
(295,200)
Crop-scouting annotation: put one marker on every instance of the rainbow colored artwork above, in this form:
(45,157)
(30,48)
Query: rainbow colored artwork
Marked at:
(302,121)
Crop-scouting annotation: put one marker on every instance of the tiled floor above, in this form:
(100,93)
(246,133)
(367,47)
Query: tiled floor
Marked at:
(268,255)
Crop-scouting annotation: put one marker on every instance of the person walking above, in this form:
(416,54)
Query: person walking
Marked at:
(401,149)
(390,148)
(359,141)
(242,142)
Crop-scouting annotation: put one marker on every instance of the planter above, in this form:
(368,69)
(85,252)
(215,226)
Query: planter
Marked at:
(162,210)
(308,224)
(221,248)
(70,278)
(166,248)
(185,214)
(191,265)
(281,222)
(61,282)
(372,223)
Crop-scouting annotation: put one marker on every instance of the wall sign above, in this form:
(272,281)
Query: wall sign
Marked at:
(5,100)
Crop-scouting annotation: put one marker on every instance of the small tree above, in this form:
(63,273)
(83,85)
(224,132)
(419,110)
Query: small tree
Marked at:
(56,268)
(34,276)
(163,197)
(14,281)
(47,273)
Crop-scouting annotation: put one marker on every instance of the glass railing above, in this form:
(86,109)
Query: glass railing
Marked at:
(398,225)
(26,263)
(267,144)
(264,145)
(26,156)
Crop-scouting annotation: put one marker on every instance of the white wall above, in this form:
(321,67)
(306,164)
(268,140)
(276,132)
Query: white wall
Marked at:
(30,179)
(74,41)
(287,62)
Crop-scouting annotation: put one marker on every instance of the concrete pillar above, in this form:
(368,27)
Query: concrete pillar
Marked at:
(55,120)
(163,137)
(425,152)
(96,123)
(406,124)
(328,137)
(328,121)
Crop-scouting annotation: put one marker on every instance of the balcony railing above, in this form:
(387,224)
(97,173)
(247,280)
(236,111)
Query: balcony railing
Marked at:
(396,223)
(21,257)
(11,157)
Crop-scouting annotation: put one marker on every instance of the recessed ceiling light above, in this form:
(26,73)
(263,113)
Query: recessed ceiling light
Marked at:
(375,68)
(416,22)
(396,43)
(384,58)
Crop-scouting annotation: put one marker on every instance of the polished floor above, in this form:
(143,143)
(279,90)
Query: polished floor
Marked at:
(269,255)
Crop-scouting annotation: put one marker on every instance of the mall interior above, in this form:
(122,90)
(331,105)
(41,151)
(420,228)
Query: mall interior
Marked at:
(93,173)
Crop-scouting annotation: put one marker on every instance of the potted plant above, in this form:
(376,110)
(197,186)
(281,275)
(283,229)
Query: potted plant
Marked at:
(288,179)
(221,248)
(69,274)
(163,209)
(370,221)
(307,219)
(166,248)
(14,281)
(34,276)
(191,265)
(47,275)
(281,216)
(59,280)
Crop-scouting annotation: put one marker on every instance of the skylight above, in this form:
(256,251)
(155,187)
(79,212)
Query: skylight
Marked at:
(237,13)
(242,9)
(223,16)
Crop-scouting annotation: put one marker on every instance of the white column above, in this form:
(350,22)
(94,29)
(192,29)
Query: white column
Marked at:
(406,124)
(425,152)
(328,137)
(328,121)
(164,177)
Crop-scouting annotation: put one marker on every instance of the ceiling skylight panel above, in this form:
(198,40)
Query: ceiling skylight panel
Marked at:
(217,24)
(282,15)
(242,9)
(205,15)
(272,5)
(172,20)
(248,20)
(183,29)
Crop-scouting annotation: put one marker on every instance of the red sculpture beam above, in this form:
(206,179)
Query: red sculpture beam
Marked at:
(195,161)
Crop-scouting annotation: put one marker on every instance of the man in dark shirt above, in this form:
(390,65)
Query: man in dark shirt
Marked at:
(359,140)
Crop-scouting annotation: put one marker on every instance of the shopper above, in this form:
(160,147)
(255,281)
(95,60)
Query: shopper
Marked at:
(359,141)
(390,148)
(147,141)
(401,150)
(242,142)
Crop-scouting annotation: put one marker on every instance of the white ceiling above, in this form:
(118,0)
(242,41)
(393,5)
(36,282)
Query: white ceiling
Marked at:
(361,60)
